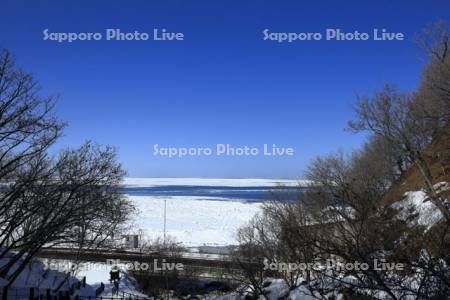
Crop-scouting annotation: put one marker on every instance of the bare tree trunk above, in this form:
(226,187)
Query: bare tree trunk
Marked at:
(432,193)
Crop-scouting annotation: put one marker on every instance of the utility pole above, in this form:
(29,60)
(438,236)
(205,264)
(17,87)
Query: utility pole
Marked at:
(165,221)
(164,242)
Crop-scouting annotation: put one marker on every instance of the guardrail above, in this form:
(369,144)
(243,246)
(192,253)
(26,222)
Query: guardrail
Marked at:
(211,267)
(103,255)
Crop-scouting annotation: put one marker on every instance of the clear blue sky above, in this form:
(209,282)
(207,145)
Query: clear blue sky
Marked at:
(223,83)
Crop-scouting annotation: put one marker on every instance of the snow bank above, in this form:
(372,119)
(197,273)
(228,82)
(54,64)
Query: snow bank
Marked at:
(36,275)
(277,289)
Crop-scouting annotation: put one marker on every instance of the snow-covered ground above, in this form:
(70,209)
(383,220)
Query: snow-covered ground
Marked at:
(196,220)
(276,289)
(37,275)
(97,273)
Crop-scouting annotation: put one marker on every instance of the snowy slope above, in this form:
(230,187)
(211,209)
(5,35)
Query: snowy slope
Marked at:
(97,273)
(36,275)
(416,203)
(277,289)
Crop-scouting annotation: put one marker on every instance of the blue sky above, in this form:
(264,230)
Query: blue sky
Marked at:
(223,83)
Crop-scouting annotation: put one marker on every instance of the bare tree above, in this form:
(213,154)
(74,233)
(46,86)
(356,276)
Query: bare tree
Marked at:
(390,115)
(72,199)
(343,216)
(434,91)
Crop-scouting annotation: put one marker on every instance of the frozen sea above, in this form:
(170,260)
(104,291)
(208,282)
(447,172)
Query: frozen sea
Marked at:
(200,211)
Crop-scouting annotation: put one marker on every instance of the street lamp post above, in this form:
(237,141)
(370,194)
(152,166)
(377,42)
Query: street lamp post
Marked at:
(165,221)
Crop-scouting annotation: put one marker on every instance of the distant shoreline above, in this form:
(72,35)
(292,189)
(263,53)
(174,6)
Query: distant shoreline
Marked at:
(231,182)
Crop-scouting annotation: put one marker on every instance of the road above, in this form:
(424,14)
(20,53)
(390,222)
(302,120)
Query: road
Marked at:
(211,266)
